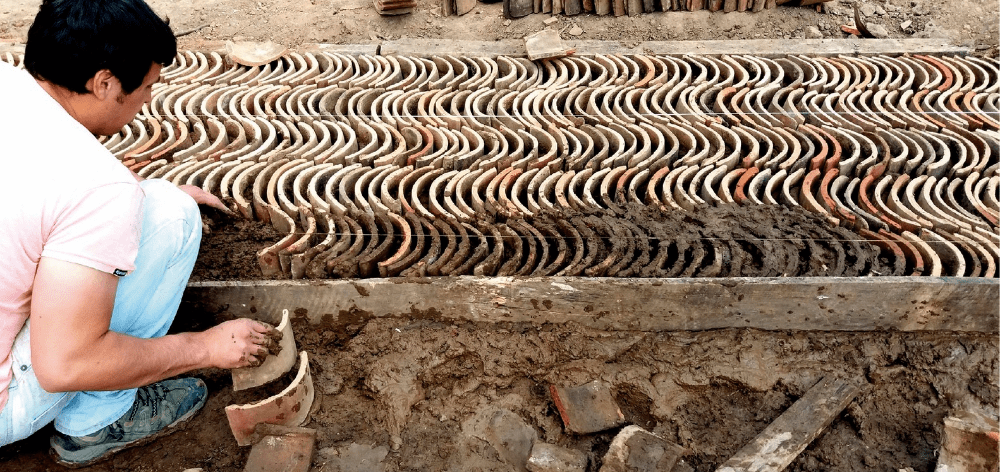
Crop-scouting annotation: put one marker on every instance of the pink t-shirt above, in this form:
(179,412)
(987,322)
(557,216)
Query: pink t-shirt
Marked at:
(62,196)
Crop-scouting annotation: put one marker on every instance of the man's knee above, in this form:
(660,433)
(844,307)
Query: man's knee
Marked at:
(169,215)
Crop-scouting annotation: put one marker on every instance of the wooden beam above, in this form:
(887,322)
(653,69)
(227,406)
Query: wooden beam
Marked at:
(782,441)
(815,303)
(515,48)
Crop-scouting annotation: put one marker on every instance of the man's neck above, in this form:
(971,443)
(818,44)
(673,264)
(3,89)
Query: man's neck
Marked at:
(69,100)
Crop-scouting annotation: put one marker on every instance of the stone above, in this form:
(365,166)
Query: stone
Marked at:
(905,25)
(506,22)
(878,30)
(506,432)
(682,466)
(588,408)
(867,9)
(879,10)
(551,458)
(551,20)
(576,30)
(637,450)
(813,32)
(281,449)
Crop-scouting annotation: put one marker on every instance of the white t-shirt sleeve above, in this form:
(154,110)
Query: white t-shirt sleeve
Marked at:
(99,230)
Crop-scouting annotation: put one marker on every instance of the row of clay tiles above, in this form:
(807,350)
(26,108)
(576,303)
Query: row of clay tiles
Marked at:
(357,156)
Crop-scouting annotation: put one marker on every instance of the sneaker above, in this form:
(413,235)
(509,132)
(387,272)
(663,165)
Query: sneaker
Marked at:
(158,408)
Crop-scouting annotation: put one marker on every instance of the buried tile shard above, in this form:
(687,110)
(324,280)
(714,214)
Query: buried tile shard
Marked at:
(274,366)
(551,458)
(281,449)
(290,407)
(588,408)
(637,450)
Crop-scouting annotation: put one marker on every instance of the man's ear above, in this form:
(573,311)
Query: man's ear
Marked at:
(104,85)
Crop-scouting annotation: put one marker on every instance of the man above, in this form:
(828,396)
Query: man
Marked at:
(95,262)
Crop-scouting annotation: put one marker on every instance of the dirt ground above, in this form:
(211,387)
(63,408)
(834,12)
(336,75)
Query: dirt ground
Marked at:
(710,392)
(294,22)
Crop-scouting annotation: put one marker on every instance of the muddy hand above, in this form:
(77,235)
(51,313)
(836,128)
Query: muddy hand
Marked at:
(266,341)
(240,343)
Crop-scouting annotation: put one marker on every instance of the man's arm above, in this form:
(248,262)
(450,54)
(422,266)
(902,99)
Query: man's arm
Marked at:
(73,350)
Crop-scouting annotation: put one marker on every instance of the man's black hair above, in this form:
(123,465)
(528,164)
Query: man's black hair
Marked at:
(70,40)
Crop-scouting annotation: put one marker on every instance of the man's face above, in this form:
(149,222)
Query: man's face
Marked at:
(124,107)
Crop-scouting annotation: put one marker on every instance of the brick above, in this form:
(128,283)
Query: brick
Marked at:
(281,449)
(588,408)
(637,450)
(551,458)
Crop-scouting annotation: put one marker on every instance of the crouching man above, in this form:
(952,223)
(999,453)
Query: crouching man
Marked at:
(94,261)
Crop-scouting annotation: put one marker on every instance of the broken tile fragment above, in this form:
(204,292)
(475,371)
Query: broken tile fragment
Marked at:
(588,408)
(290,407)
(545,44)
(249,53)
(274,366)
(551,458)
(970,443)
(281,449)
(637,450)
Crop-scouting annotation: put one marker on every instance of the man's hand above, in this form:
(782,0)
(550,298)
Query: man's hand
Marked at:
(204,198)
(241,343)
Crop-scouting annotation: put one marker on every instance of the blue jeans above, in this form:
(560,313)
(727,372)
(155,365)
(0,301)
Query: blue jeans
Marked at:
(145,305)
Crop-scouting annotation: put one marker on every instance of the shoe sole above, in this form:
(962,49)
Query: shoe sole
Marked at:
(169,429)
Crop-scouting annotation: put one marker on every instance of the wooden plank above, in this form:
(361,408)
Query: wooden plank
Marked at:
(421,47)
(729,6)
(546,6)
(648,6)
(557,7)
(588,5)
(812,47)
(715,5)
(573,7)
(741,5)
(437,47)
(778,445)
(602,7)
(814,303)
